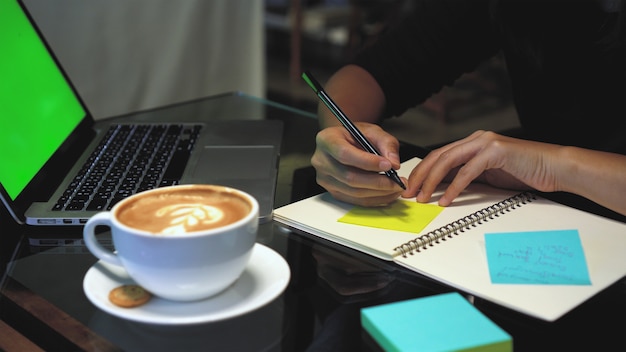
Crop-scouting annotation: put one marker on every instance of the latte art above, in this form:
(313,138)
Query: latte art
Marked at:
(183,210)
(189,217)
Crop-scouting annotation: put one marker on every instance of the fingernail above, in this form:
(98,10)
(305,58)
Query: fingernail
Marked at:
(384,165)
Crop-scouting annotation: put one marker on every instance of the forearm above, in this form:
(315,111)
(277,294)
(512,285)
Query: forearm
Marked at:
(598,176)
(356,92)
(518,164)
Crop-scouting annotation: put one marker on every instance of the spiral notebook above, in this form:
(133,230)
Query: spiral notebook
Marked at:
(451,247)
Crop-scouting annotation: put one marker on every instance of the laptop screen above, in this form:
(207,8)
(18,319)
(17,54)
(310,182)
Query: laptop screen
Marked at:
(38,108)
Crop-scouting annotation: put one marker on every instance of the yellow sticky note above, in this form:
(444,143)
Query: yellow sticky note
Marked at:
(401,215)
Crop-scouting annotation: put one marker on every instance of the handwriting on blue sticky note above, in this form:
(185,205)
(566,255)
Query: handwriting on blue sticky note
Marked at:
(538,257)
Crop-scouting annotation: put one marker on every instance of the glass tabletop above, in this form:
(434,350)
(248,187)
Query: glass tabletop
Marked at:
(44,300)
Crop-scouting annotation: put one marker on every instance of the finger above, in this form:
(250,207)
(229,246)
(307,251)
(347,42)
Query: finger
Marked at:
(386,144)
(451,161)
(340,145)
(437,173)
(484,160)
(370,201)
(434,155)
(424,168)
(358,183)
(465,175)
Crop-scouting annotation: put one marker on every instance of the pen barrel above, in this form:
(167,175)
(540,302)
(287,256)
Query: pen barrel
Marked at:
(349,125)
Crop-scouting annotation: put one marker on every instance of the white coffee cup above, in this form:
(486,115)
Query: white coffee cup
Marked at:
(190,258)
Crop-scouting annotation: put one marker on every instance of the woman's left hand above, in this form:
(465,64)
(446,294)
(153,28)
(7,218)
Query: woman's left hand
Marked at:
(498,160)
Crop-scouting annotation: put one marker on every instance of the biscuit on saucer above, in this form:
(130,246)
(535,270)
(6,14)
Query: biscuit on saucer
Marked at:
(129,296)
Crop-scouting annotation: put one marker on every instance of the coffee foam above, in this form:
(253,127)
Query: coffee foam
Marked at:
(183,211)
(186,217)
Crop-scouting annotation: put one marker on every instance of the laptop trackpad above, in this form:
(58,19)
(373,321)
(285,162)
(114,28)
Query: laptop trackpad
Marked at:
(218,163)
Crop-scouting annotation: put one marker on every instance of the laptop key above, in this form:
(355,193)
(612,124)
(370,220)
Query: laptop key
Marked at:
(97,204)
(134,159)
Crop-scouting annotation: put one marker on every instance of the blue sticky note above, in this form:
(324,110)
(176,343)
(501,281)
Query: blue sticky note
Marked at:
(444,322)
(538,257)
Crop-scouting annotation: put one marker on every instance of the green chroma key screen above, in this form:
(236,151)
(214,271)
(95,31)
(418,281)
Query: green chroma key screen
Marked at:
(38,108)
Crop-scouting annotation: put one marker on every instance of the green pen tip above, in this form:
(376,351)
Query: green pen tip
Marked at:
(308,81)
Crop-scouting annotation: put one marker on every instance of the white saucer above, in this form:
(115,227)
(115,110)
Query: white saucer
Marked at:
(266,276)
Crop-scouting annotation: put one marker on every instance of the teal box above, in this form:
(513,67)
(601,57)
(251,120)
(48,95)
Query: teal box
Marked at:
(444,322)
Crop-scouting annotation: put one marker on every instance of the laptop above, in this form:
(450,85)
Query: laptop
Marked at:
(59,167)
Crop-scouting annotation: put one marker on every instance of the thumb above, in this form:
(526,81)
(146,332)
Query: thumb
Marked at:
(386,144)
(389,150)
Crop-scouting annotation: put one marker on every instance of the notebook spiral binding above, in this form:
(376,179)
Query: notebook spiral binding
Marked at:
(464,224)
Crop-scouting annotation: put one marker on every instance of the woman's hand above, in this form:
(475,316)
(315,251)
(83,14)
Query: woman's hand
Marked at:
(519,164)
(351,174)
(488,157)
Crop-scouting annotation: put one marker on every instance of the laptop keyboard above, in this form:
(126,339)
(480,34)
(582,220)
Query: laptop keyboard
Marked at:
(130,159)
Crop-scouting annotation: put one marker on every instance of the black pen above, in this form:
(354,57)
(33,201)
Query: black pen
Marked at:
(345,121)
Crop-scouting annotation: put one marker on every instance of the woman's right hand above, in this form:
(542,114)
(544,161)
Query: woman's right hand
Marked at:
(351,174)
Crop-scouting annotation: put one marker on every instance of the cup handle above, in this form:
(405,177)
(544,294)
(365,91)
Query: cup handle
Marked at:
(89,235)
